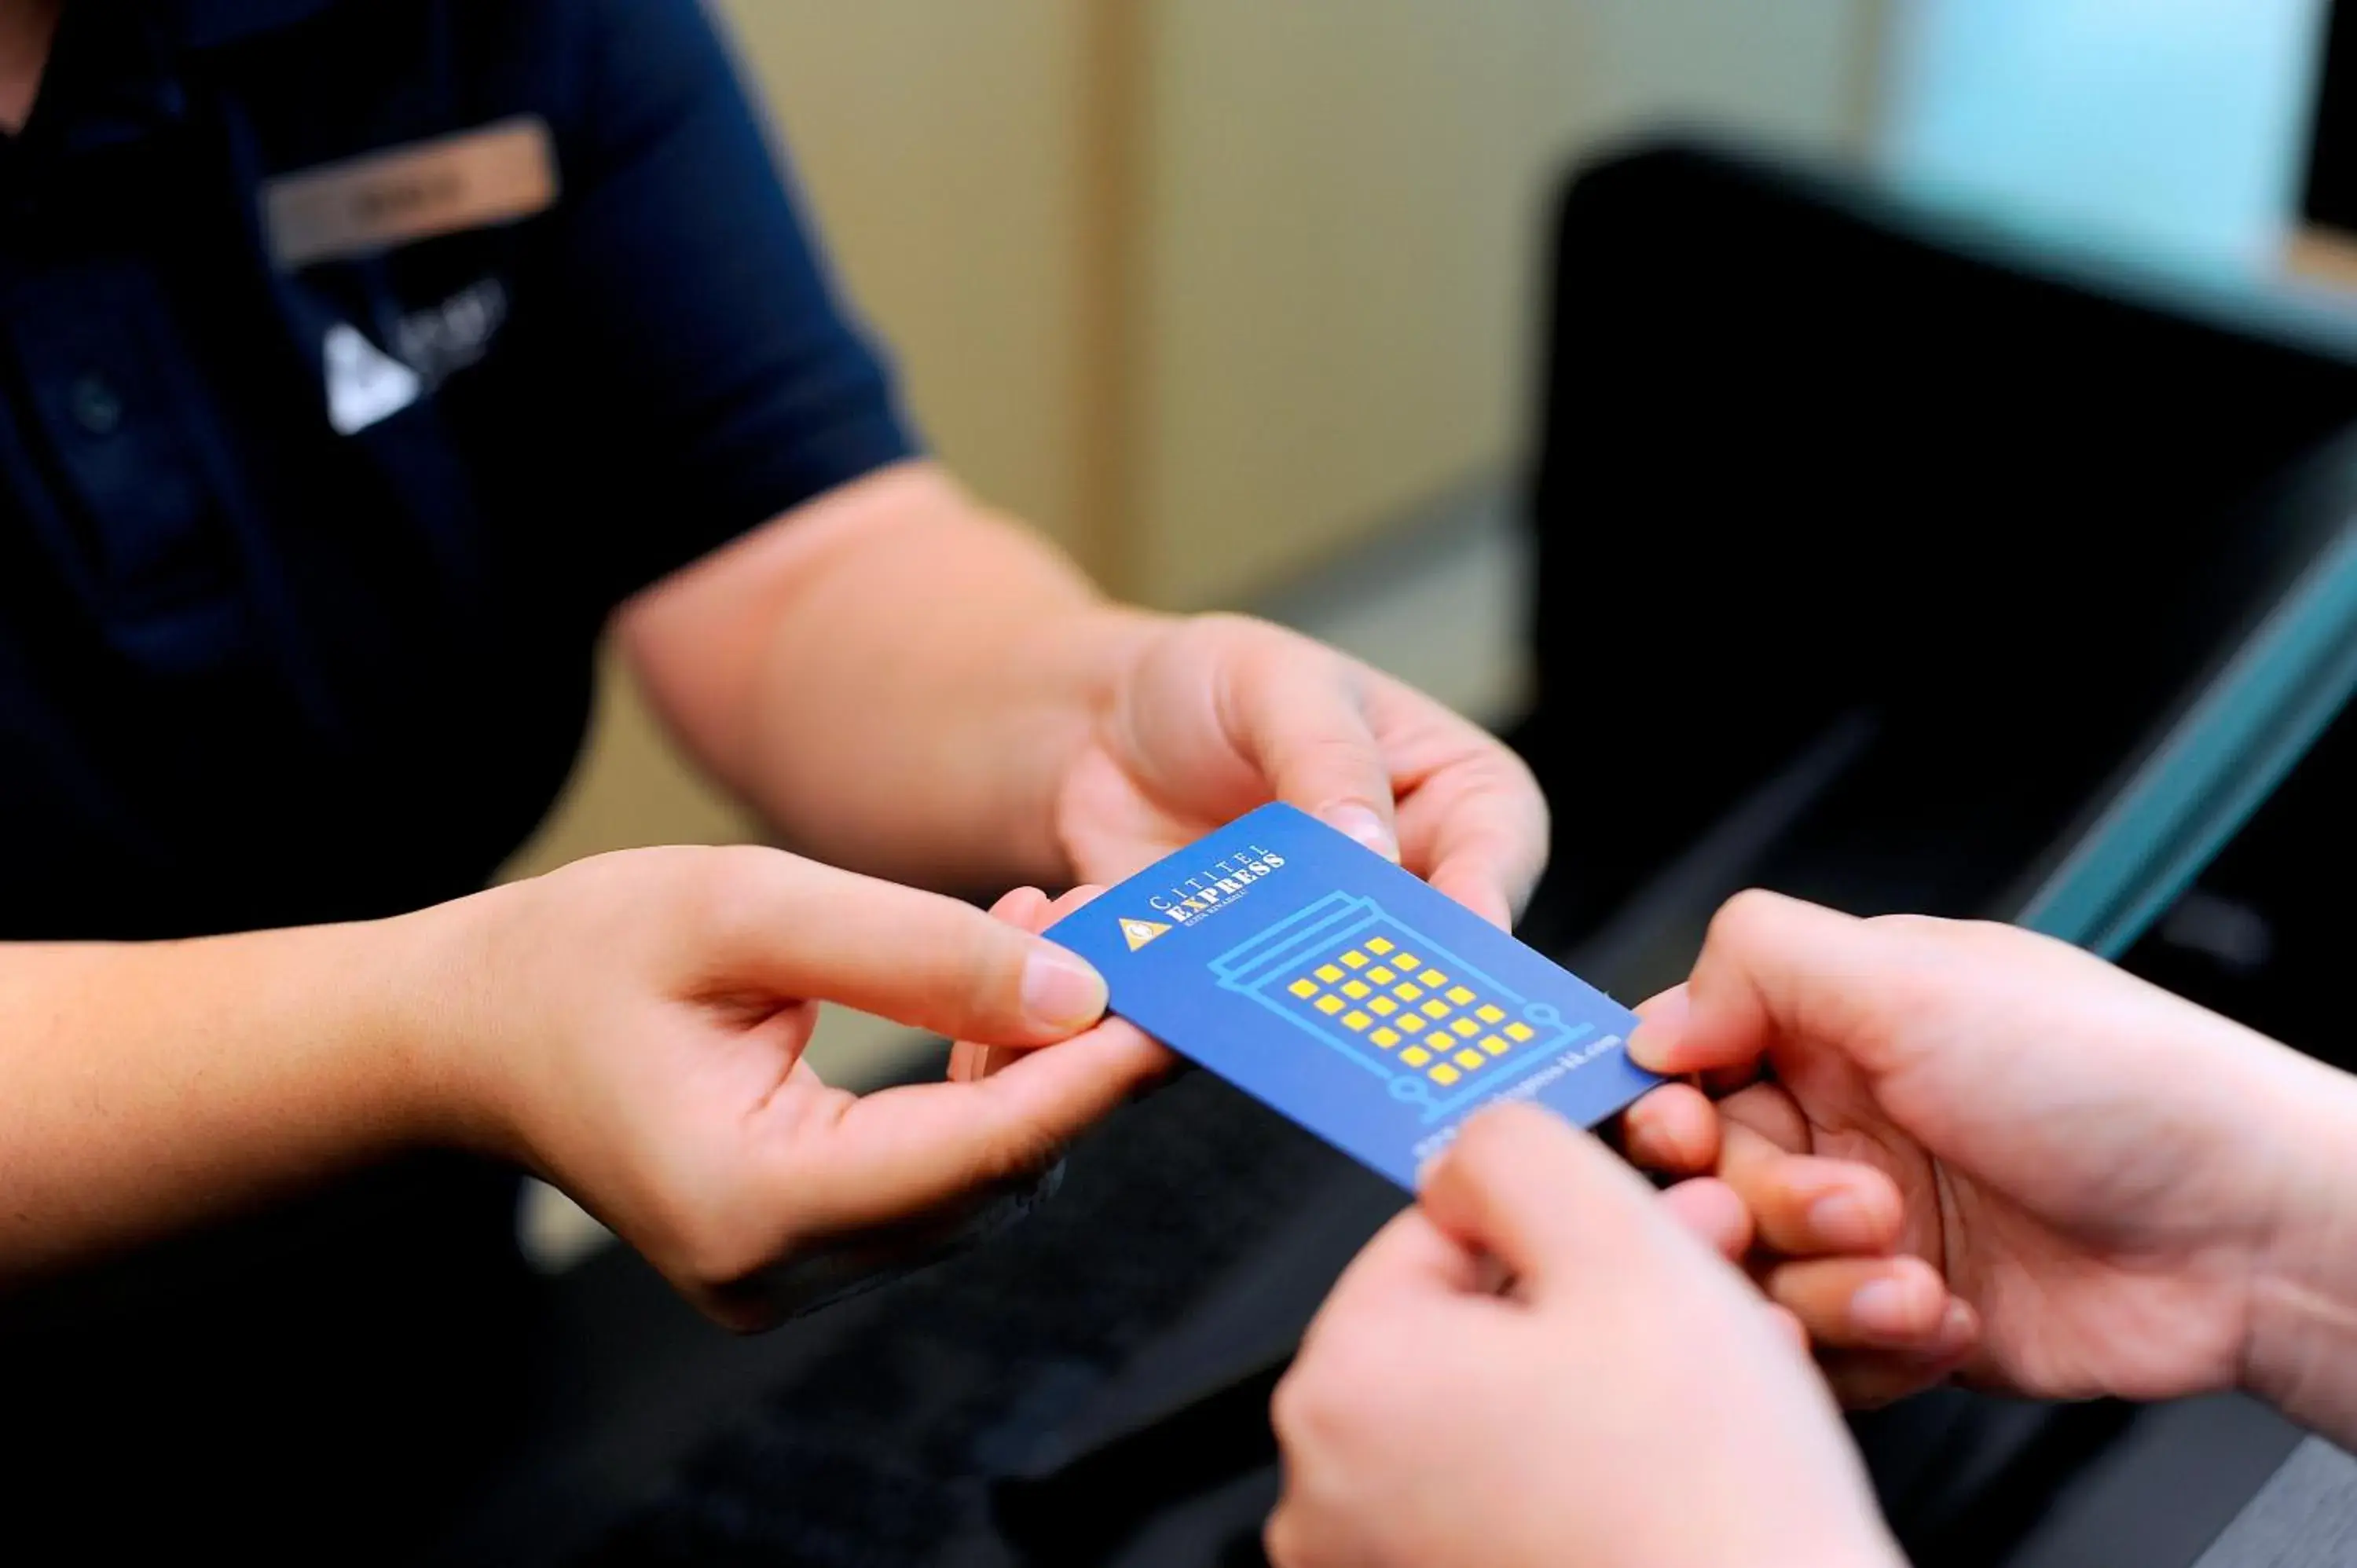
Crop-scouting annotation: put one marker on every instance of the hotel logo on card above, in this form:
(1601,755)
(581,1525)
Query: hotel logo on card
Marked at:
(1137,933)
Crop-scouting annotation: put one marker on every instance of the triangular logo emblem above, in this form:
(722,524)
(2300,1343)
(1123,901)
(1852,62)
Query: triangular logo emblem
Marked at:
(1141,933)
(365,384)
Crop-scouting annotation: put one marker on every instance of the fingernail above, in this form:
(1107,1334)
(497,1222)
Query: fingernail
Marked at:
(1060,990)
(1361,824)
(1886,1309)
(1838,1220)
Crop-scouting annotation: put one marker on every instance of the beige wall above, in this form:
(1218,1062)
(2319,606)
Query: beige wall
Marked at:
(1208,288)
(940,145)
(1342,203)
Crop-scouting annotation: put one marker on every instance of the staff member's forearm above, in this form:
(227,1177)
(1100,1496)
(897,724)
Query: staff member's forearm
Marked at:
(893,675)
(147,1088)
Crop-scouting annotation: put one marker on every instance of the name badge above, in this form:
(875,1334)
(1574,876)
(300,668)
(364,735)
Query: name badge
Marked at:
(498,174)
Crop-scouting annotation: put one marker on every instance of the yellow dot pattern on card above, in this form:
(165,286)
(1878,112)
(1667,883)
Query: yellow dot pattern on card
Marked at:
(1436,1025)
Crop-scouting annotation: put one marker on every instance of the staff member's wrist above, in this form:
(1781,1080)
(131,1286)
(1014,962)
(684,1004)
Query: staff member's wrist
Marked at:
(448,1052)
(2300,1353)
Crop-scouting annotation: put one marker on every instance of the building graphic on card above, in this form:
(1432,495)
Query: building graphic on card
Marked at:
(1439,1032)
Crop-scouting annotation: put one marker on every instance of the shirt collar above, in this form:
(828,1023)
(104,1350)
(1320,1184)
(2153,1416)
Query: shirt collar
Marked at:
(114,58)
(109,80)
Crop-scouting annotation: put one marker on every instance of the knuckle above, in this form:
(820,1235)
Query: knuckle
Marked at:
(1263,647)
(964,965)
(1287,1406)
(1247,630)
(1743,920)
(723,891)
(985,978)
(1281,1534)
(1336,1390)
(1303,1412)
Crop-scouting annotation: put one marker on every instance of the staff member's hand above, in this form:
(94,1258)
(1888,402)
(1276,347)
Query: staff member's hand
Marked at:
(914,686)
(632,1027)
(2116,1182)
(1627,1398)
(1220,714)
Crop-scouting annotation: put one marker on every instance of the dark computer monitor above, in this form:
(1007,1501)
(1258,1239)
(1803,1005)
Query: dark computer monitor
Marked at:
(1912,549)
(2329,197)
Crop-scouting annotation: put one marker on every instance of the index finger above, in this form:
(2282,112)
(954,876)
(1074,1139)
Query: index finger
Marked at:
(1297,712)
(1472,820)
(1487,843)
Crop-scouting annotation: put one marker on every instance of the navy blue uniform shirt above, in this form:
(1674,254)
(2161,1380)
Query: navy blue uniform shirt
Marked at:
(255,669)
(302,551)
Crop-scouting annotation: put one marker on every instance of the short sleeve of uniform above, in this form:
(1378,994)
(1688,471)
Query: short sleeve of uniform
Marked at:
(708,339)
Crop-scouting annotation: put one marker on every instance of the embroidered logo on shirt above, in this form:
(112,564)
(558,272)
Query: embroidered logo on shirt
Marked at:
(365,384)
(443,340)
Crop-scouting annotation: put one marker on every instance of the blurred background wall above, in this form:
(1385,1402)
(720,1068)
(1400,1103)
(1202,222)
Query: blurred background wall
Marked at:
(1215,291)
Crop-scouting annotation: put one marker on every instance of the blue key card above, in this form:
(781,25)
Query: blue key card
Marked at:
(1338,989)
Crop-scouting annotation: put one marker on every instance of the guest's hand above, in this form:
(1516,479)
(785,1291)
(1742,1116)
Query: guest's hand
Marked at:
(1625,1398)
(2102,1176)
